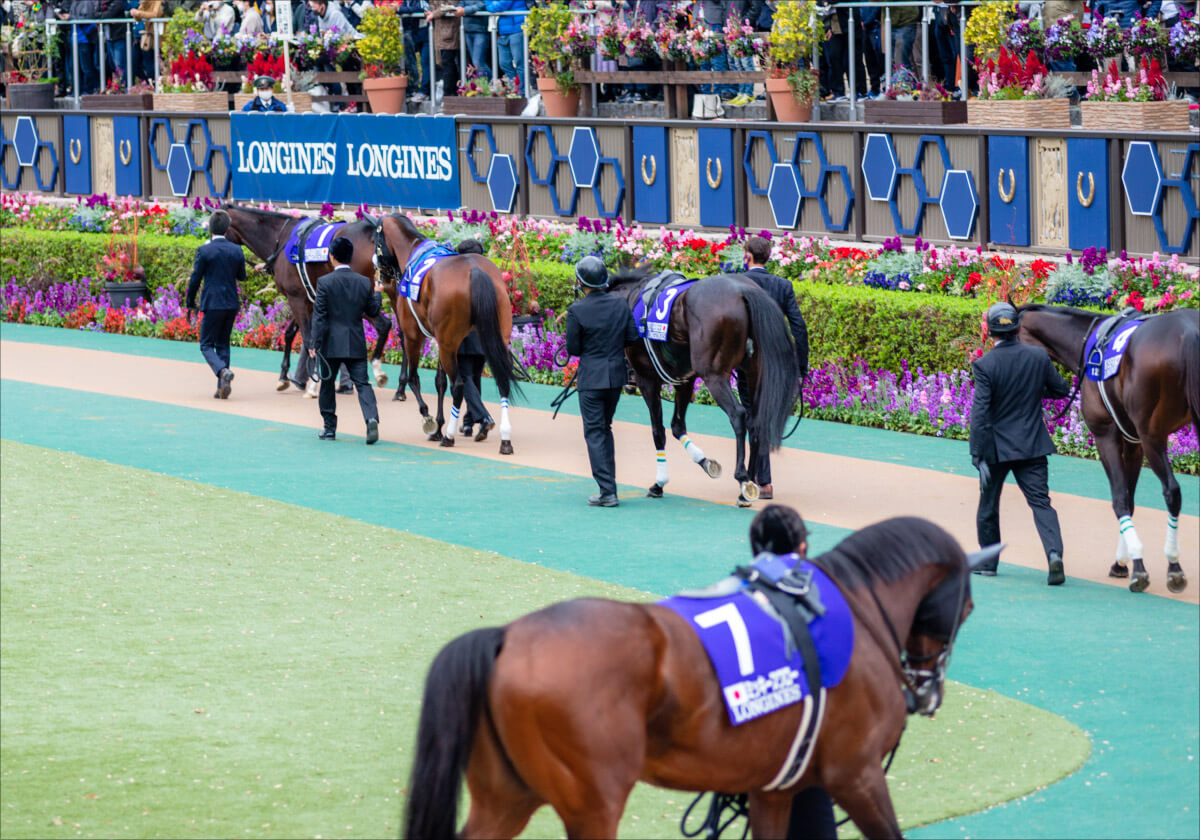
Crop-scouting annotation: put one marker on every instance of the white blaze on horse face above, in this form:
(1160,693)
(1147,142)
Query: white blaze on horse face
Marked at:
(662,476)
(1171,547)
(1132,544)
(505,426)
(692,448)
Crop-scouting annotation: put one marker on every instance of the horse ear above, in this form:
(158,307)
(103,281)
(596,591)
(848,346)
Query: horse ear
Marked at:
(984,555)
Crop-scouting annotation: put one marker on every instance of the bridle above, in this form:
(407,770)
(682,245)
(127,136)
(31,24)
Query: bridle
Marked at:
(1078,373)
(385,260)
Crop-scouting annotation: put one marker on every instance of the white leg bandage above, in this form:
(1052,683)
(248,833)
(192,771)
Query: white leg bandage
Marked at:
(661,477)
(692,448)
(314,389)
(1133,545)
(1122,554)
(377,368)
(453,424)
(1171,547)
(505,426)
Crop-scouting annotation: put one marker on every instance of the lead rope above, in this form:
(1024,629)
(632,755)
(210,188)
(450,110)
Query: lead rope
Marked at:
(1078,375)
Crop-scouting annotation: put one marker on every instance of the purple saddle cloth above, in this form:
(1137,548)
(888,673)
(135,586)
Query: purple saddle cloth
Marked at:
(1104,362)
(316,243)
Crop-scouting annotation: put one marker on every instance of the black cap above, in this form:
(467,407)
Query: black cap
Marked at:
(590,271)
(1002,319)
(264,82)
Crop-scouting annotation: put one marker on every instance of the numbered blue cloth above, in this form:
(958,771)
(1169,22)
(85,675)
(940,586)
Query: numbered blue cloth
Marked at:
(316,243)
(653,324)
(1103,363)
(427,254)
(748,646)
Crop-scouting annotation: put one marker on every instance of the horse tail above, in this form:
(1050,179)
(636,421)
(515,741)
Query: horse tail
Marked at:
(777,370)
(455,695)
(1191,364)
(486,318)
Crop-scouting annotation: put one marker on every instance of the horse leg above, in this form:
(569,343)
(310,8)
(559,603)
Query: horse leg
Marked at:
(718,386)
(446,373)
(769,814)
(307,366)
(1122,462)
(865,799)
(651,394)
(383,327)
(501,803)
(683,396)
(289,336)
(1160,462)
(412,349)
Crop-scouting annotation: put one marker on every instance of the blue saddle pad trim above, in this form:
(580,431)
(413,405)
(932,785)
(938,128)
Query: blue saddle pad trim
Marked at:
(1104,363)
(653,325)
(748,646)
(427,254)
(316,245)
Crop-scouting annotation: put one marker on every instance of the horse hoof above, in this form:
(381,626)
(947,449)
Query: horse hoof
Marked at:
(750,490)
(381,380)
(1176,580)
(447,442)
(436,436)
(711,467)
(1139,582)
(655,492)
(398,397)
(282,385)
(1118,570)
(428,425)
(743,502)
(506,447)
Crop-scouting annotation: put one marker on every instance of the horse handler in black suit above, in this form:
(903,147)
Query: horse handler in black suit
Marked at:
(344,298)
(599,328)
(1008,434)
(220,266)
(758,253)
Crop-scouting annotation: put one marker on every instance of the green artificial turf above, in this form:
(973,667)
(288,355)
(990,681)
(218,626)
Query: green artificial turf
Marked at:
(182,660)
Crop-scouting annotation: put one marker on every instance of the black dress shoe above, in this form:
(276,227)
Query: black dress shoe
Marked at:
(345,389)
(485,427)
(225,377)
(1056,576)
(984,571)
(328,434)
(372,431)
(603,501)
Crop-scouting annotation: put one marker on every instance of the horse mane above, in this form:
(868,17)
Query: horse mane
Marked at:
(890,550)
(407,227)
(629,276)
(1047,307)
(254,211)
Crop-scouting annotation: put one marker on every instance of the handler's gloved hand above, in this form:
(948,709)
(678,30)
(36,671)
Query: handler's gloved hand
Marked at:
(985,472)
(191,316)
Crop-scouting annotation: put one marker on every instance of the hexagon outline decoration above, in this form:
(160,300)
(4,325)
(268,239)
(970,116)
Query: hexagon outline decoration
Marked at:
(5,145)
(173,169)
(822,198)
(502,164)
(469,151)
(748,163)
(590,134)
(1189,205)
(964,175)
(1137,146)
(208,156)
(599,199)
(895,168)
(28,123)
(782,171)
(555,157)
(154,126)
(800,139)
(819,146)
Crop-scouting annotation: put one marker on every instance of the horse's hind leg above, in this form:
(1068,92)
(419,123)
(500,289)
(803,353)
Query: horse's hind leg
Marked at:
(651,394)
(1160,462)
(289,336)
(501,804)
(718,386)
(865,799)
(683,397)
(446,373)
(769,814)
(1122,462)
(383,327)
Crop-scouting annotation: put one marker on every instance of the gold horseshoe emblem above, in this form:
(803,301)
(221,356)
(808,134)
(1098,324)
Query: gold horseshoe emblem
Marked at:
(76,149)
(649,180)
(126,150)
(1007,196)
(1087,200)
(713,182)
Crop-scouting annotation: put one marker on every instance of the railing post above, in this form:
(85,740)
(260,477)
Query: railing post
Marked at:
(103,56)
(157,59)
(129,58)
(853,68)
(494,31)
(816,61)
(525,63)
(462,55)
(963,87)
(887,48)
(925,45)
(75,63)
(432,68)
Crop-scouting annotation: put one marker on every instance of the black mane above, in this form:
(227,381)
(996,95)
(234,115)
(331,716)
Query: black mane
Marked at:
(254,211)
(890,550)
(408,228)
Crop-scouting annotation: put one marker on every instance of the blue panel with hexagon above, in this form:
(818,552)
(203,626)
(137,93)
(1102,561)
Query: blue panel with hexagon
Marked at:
(1008,190)
(1088,209)
(959,203)
(174,164)
(783,194)
(1142,178)
(879,167)
(502,183)
(473,134)
(584,157)
(27,149)
(1182,181)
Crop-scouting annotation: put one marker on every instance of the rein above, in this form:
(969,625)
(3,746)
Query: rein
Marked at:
(1079,374)
(800,416)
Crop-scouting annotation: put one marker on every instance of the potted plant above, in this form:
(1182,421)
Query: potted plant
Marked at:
(1019,94)
(479,95)
(124,278)
(140,97)
(381,49)
(1134,102)
(988,27)
(908,102)
(189,87)
(797,29)
(555,40)
(29,84)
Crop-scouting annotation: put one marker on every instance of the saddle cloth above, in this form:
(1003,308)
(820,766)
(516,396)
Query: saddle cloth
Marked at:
(1106,346)
(423,257)
(316,241)
(757,665)
(653,320)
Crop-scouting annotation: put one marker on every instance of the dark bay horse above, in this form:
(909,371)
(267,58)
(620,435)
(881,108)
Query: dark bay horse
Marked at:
(265,233)
(458,293)
(720,324)
(572,705)
(1155,392)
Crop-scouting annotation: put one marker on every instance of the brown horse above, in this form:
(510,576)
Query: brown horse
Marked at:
(720,324)
(458,293)
(1155,392)
(265,233)
(570,706)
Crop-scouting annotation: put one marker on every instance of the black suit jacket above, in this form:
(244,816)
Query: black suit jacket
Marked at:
(1006,415)
(220,265)
(782,293)
(599,328)
(344,297)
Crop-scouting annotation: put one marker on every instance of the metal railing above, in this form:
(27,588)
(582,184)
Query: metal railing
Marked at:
(102,24)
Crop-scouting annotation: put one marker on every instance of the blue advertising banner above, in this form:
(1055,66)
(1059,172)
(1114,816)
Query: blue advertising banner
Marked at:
(378,159)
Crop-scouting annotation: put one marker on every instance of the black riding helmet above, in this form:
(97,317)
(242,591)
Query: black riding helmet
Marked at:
(1002,319)
(590,272)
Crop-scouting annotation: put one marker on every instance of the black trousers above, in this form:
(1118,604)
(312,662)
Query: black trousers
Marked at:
(1033,479)
(811,817)
(328,397)
(760,470)
(597,407)
(216,328)
(470,380)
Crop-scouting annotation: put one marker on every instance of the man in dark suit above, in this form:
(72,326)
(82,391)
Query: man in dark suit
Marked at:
(1008,433)
(344,298)
(220,266)
(758,253)
(599,328)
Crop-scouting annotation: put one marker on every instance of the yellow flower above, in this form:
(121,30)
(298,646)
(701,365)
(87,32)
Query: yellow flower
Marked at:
(988,26)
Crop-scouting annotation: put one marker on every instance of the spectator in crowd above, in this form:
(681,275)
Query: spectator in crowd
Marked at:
(329,15)
(252,22)
(748,11)
(1125,11)
(86,39)
(145,11)
(510,38)
(479,42)
(944,33)
(217,17)
(713,14)
(904,33)
(443,14)
(115,53)
(835,57)
(268,16)
(416,46)
(648,11)
(303,17)
(870,47)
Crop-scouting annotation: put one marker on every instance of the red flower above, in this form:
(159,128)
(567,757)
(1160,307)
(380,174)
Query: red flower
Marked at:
(1041,268)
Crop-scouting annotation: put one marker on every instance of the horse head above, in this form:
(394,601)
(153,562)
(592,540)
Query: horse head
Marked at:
(1061,331)
(395,238)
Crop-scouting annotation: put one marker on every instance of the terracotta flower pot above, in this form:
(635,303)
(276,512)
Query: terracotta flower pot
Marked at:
(787,107)
(386,95)
(558,104)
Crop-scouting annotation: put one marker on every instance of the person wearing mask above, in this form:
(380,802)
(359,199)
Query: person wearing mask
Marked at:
(265,100)
(268,17)
(344,298)
(218,18)
(329,15)
(758,253)
(510,37)
(1008,433)
(599,328)
(252,22)
(220,267)
(443,14)
(478,37)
